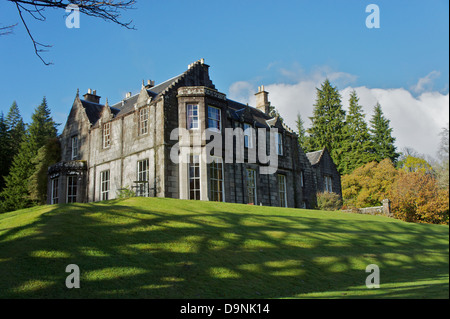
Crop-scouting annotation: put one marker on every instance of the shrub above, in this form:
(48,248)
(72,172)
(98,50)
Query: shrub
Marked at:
(125,192)
(416,197)
(328,201)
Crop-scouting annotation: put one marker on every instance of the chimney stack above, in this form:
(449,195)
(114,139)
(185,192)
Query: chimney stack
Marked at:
(91,96)
(150,84)
(128,95)
(262,100)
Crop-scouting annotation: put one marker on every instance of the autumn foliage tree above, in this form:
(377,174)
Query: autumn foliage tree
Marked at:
(368,185)
(416,197)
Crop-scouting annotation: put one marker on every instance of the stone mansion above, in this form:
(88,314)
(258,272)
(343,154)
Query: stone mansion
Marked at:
(129,145)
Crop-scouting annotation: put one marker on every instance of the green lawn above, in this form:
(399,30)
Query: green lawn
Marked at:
(167,248)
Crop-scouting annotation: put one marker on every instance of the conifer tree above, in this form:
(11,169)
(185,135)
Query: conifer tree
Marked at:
(301,132)
(357,143)
(16,129)
(381,136)
(42,128)
(328,121)
(3,150)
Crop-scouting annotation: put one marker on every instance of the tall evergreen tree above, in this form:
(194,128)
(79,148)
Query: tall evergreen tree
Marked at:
(328,122)
(357,144)
(42,128)
(301,132)
(16,128)
(381,136)
(4,148)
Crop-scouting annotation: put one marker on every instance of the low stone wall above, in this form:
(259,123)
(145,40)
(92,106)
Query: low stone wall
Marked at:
(377,210)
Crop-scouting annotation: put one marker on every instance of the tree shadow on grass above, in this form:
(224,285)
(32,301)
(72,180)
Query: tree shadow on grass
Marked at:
(127,251)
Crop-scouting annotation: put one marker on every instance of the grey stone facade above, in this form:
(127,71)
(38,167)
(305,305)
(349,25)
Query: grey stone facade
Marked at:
(106,148)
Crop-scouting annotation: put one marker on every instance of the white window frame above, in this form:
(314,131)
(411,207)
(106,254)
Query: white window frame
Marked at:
(107,135)
(143,121)
(279,142)
(74,142)
(248,135)
(194,163)
(72,184)
(105,178)
(219,120)
(54,195)
(282,190)
(213,167)
(143,176)
(192,119)
(251,186)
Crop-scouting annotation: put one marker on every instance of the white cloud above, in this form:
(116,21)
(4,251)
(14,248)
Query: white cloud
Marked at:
(416,121)
(425,83)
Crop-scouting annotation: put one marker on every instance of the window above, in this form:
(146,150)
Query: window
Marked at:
(74,147)
(104,184)
(214,122)
(194,177)
(216,180)
(251,186)
(71,189)
(279,141)
(192,116)
(282,190)
(142,178)
(107,135)
(248,136)
(302,180)
(328,184)
(143,121)
(54,198)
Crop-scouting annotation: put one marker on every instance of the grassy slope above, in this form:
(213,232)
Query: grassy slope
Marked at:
(166,248)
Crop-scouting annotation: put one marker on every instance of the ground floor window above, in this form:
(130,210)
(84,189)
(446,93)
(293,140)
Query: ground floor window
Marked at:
(282,190)
(251,186)
(104,184)
(72,189)
(143,178)
(328,184)
(54,195)
(194,177)
(216,180)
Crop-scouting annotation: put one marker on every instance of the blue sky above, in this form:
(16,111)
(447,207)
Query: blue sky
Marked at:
(289,46)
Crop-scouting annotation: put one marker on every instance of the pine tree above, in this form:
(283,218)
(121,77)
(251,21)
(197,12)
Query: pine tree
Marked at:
(301,132)
(381,136)
(15,127)
(42,128)
(357,144)
(328,121)
(4,148)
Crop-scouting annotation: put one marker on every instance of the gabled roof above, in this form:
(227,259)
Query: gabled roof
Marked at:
(93,110)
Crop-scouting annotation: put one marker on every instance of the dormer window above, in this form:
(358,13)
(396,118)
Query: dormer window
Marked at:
(214,119)
(248,136)
(107,135)
(74,147)
(143,121)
